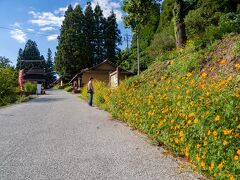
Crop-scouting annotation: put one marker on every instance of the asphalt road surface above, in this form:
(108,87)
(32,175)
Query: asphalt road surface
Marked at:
(58,136)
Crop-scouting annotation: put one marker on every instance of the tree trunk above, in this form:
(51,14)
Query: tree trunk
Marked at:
(181,37)
(181,34)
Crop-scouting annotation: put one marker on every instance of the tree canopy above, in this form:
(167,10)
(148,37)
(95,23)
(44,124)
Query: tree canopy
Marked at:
(86,38)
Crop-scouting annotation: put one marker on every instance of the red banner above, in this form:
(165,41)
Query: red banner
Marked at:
(20,80)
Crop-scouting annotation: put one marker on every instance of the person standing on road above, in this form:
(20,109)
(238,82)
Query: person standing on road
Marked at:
(90,91)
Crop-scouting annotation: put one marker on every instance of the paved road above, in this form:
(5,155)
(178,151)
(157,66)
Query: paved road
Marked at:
(57,136)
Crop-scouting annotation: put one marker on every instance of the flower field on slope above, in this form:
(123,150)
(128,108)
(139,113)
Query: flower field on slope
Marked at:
(196,115)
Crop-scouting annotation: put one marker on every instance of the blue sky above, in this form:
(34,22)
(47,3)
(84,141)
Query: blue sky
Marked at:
(40,21)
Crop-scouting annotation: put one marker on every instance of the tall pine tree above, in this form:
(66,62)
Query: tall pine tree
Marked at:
(85,40)
(20,53)
(64,55)
(49,69)
(100,23)
(89,28)
(30,52)
(113,37)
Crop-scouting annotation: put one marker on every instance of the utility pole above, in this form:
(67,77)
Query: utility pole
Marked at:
(127,40)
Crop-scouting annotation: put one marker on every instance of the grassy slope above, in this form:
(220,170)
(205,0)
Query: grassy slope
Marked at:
(189,102)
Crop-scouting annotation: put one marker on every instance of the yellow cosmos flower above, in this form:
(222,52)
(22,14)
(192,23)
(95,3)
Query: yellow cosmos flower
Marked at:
(196,121)
(181,139)
(220,166)
(237,65)
(203,164)
(198,146)
(225,143)
(237,94)
(222,62)
(189,74)
(211,166)
(215,133)
(238,152)
(197,158)
(231,178)
(209,132)
(191,115)
(204,75)
(217,118)
(227,132)
(235,158)
(153,125)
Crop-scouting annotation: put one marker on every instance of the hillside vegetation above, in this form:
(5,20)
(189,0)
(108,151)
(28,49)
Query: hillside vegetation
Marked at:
(190,102)
(188,97)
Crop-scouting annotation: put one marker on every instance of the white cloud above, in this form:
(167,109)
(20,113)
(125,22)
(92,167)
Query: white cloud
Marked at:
(52,37)
(61,10)
(17,34)
(47,29)
(30,30)
(107,6)
(46,19)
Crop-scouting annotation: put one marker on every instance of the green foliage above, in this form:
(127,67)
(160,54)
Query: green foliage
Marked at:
(230,23)
(4,62)
(99,34)
(49,68)
(146,33)
(207,13)
(195,114)
(166,14)
(99,98)
(162,41)
(8,86)
(237,49)
(137,12)
(89,28)
(113,37)
(30,88)
(86,39)
(30,52)
(68,89)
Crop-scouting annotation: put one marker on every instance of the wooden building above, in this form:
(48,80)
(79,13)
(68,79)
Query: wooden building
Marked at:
(100,72)
(35,75)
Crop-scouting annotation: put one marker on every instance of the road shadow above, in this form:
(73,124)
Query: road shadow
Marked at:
(47,100)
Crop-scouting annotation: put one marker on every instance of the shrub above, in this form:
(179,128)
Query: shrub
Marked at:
(237,49)
(68,88)
(230,23)
(8,86)
(30,88)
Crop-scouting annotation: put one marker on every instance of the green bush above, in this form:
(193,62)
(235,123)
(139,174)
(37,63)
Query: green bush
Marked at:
(237,49)
(230,23)
(8,86)
(68,89)
(30,88)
